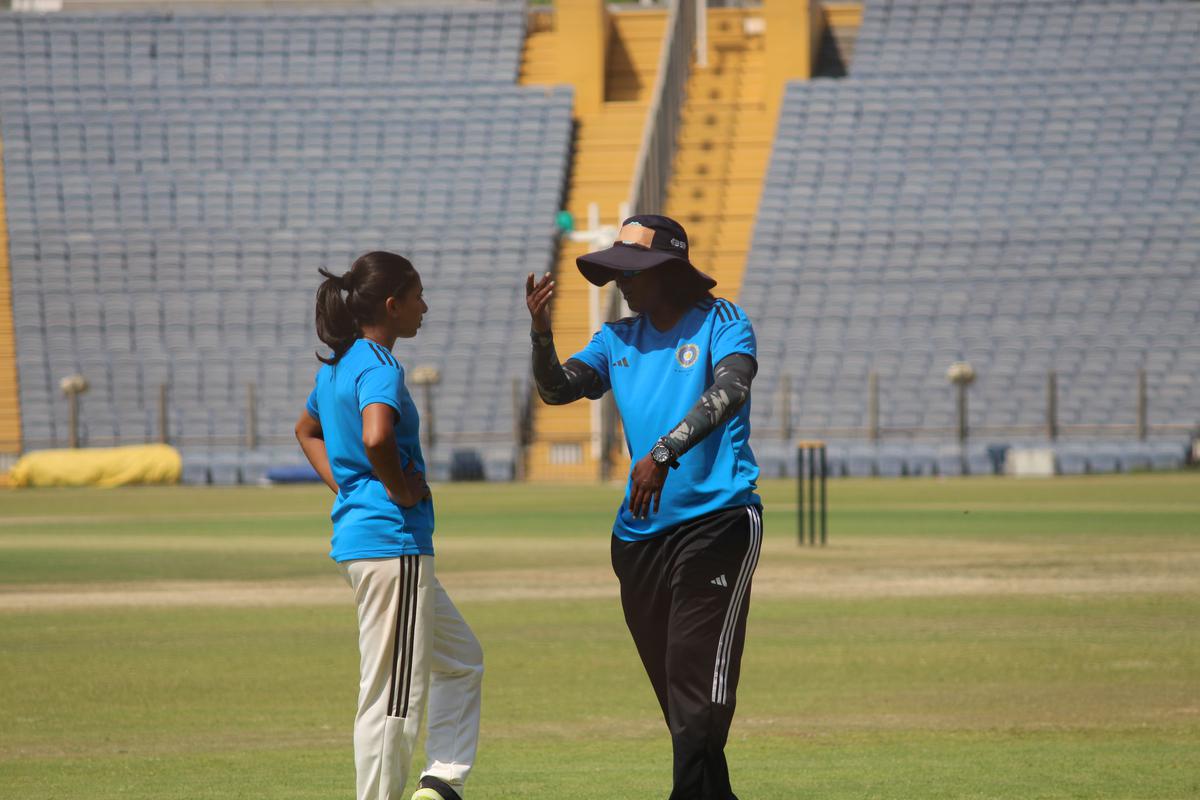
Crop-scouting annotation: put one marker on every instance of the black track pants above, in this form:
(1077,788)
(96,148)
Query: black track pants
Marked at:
(686,594)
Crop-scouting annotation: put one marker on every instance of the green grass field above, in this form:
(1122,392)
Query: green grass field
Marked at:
(973,638)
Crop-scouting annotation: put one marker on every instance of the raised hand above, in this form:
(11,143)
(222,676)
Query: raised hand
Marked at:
(537,299)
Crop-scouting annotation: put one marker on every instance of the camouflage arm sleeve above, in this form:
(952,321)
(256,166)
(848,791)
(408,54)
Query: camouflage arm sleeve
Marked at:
(561,383)
(730,390)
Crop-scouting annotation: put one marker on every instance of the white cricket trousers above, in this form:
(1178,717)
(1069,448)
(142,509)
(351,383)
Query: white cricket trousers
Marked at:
(414,647)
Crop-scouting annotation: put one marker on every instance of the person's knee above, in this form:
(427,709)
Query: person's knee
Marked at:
(701,725)
(476,666)
(466,663)
(476,657)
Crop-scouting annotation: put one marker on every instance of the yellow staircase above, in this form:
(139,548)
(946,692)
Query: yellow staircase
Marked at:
(729,119)
(728,124)
(723,147)
(566,441)
(10,401)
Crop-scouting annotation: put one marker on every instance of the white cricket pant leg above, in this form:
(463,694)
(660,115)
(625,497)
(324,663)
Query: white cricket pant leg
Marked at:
(413,645)
(454,695)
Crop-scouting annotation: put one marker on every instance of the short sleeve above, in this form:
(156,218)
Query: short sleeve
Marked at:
(595,355)
(732,333)
(380,384)
(310,405)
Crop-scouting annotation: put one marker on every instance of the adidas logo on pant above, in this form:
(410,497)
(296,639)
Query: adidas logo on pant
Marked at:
(720,581)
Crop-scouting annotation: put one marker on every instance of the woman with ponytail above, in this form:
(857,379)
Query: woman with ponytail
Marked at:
(360,431)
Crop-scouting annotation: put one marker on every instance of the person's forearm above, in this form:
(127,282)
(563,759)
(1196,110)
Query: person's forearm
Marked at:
(729,392)
(561,383)
(314,451)
(385,463)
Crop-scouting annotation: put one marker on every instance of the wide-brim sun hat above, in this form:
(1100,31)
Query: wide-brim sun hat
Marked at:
(645,241)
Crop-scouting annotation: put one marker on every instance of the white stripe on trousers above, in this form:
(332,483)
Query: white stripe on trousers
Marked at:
(720,691)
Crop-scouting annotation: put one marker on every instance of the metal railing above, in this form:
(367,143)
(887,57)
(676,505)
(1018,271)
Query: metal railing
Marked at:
(783,427)
(652,169)
(83,430)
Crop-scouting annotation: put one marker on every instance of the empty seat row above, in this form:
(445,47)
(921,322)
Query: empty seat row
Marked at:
(165,234)
(253,48)
(961,197)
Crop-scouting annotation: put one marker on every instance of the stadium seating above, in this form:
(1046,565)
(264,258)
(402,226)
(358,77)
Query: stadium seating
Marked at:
(303,48)
(940,205)
(986,38)
(904,458)
(167,222)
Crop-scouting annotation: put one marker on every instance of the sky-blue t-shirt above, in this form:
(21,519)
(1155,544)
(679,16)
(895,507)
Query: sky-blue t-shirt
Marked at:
(366,522)
(656,377)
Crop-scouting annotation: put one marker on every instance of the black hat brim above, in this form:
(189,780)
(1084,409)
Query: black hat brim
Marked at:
(602,266)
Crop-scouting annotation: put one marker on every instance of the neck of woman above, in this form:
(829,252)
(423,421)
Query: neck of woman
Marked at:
(379,336)
(666,316)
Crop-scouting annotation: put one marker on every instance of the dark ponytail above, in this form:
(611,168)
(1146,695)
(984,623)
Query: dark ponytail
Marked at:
(347,302)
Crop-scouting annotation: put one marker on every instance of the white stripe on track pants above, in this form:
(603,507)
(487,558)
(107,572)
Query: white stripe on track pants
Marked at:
(414,646)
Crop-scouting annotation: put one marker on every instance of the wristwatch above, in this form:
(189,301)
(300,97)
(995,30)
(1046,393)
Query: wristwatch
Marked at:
(663,454)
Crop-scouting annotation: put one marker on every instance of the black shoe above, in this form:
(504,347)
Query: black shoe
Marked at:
(430,788)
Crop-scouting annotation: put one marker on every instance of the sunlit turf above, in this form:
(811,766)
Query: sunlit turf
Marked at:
(1033,689)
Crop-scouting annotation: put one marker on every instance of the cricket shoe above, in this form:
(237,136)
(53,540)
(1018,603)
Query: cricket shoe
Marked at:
(430,788)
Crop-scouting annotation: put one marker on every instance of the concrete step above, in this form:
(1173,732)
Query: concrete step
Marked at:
(707,218)
(595,191)
(701,122)
(708,247)
(745,92)
(612,191)
(723,111)
(733,85)
(696,106)
(616,108)
(601,137)
(722,155)
(609,152)
(716,231)
(718,172)
(604,171)
(715,164)
(709,139)
(728,61)
(696,144)
(712,218)
(639,23)
(713,195)
(617,128)
(627,56)
(539,58)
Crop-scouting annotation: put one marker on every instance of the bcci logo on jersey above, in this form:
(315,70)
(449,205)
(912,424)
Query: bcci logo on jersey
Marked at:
(687,355)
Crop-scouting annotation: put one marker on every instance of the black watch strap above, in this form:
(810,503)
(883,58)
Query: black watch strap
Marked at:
(673,463)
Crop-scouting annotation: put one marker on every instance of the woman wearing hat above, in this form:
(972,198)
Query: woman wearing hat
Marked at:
(687,535)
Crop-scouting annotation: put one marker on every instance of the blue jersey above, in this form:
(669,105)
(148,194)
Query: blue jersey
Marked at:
(656,377)
(366,522)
